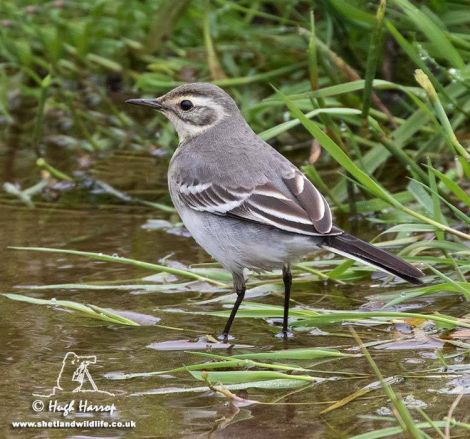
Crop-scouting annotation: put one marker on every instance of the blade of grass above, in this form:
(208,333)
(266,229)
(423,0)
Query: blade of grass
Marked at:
(307,317)
(127,261)
(394,431)
(370,184)
(360,392)
(39,122)
(413,54)
(451,185)
(458,213)
(241,361)
(433,33)
(424,82)
(89,310)
(375,47)
(267,384)
(295,354)
(285,126)
(246,376)
(215,68)
(339,317)
(349,87)
(462,287)
(417,292)
(42,164)
(401,412)
(312,54)
(430,421)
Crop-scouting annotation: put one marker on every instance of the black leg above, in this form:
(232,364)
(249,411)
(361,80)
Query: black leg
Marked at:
(287,278)
(239,285)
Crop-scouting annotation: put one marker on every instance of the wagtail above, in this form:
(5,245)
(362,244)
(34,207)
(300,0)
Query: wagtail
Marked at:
(243,202)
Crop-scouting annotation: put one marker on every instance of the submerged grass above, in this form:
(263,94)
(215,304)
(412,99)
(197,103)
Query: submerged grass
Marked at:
(401,412)
(306,319)
(121,260)
(92,311)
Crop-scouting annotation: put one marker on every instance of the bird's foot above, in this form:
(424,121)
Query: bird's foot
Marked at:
(225,338)
(285,335)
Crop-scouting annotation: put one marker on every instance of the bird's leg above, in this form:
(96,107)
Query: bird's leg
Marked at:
(287,278)
(240,288)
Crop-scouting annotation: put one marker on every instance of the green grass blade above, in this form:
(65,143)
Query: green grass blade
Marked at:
(360,392)
(126,261)
(424,81)
(246,376)
(451,185)
(370,184)
(339,317)
(401,412)
(309,318)
(312,55)
(88,310)
(335,151)
(375,47)
(296,354)
(394,431)
(433,33)
(266,384)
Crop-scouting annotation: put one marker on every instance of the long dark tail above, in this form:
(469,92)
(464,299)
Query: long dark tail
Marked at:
(354,248)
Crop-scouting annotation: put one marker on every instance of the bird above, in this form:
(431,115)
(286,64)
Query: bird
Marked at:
(246,204)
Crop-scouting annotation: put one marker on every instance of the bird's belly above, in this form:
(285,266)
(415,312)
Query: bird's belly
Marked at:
(238,244)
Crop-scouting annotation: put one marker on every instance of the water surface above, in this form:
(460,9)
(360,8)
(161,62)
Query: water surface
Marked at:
(35,338)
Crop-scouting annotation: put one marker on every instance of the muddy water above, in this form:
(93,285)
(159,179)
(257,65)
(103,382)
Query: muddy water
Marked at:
(34,339)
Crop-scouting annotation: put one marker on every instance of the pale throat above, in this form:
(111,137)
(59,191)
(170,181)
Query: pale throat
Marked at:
(187,131)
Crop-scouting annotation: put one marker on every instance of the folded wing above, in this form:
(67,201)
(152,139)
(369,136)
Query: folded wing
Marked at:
(298,208)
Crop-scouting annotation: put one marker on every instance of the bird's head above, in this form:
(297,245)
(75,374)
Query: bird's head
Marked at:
(193,108)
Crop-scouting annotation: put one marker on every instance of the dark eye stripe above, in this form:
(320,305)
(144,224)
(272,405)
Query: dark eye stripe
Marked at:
(198,118)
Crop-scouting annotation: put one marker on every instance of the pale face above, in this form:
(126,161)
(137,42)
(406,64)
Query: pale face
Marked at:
(191,115)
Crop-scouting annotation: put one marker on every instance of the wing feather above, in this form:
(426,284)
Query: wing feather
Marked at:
(311,201)
(298,207)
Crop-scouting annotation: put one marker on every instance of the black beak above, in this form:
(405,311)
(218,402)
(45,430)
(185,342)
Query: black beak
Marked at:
(145,102)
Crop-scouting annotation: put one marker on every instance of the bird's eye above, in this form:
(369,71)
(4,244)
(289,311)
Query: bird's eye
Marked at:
(186,105)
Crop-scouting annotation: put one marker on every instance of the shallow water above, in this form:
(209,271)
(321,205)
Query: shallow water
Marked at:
(35,338)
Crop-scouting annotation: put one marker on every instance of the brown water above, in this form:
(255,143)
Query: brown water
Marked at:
(35,338)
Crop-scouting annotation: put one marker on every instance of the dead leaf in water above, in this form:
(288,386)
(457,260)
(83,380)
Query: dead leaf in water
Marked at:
(414,322)
(413,343)
(236,400)
(189,345)
(141,319)
(461,334)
